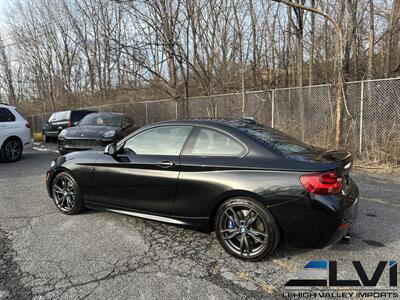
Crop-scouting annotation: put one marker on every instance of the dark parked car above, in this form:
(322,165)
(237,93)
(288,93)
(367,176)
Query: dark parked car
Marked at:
(252,184)
(61,120)
(95,130)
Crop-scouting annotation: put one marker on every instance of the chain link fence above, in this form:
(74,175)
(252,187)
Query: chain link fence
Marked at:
(370,123)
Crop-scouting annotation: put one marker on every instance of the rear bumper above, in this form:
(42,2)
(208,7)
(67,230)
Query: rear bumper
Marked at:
(28,144)
(345,226)
(317,221)
(52,134)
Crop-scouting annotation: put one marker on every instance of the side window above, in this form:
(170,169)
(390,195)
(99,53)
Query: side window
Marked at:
(128,121)
(214,143)
(52,118)
(166,140)
(6,115)
(60,116)
(63,116)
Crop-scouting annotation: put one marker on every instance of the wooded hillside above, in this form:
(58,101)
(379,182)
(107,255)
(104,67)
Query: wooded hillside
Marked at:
(70,53)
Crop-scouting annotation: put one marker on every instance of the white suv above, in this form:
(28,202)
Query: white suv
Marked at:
(15,133)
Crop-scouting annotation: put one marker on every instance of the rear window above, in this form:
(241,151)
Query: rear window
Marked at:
(78,115)
(60,116)
(275,139)
(17,110)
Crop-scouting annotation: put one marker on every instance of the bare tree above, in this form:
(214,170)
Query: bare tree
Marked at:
(5,67)
(84,52)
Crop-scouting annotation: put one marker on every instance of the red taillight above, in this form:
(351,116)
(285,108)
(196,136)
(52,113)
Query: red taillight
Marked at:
(322,183)
(69,124)
(344,226)
(27,125)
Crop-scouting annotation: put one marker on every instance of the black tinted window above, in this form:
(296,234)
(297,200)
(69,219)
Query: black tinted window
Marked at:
(76,116)
(275,139)
(6,115)
(128,121)
(214,143)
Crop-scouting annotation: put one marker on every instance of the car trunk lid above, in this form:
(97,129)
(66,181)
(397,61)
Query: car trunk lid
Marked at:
(340,161)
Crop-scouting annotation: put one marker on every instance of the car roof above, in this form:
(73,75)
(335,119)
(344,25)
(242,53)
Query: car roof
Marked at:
(108,113)
(5,105)
(85,110)
(218,123)
(73,110)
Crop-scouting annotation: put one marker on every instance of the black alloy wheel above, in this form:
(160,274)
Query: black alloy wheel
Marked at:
(11,150)
(246,229)
(66,194)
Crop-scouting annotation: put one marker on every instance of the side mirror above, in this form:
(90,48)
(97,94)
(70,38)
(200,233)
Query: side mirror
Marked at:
(111,149)
(76,123)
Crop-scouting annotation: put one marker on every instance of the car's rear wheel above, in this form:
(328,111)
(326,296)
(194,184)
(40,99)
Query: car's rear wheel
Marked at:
(66,194)
(11,150)
(246,229)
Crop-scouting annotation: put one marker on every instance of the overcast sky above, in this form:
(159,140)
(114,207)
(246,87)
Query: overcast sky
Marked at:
(3,6)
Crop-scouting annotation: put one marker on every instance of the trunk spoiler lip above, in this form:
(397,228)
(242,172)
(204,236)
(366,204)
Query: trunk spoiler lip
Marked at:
(345,165)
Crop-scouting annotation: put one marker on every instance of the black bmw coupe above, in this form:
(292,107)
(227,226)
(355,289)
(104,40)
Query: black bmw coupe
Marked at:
(96,130)
(252,184)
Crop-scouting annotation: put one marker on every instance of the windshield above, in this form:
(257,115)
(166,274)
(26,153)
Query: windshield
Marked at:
(102,120)
(275,139)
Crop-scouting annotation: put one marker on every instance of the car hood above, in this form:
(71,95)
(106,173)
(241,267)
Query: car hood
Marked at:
(88,131)
(79,157)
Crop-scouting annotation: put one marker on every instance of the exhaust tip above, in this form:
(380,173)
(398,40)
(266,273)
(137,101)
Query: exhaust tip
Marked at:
(346,238)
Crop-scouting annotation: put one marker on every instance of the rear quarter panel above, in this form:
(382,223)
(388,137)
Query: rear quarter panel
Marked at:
(201,189)
(16,129)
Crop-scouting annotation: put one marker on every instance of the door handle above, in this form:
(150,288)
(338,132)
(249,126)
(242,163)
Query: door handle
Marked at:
(165,164)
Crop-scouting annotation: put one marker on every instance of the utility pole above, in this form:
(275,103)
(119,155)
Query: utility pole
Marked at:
(339,84)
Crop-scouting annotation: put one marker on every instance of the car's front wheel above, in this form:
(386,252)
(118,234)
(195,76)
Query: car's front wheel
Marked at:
(66,194)
(246,229)
(11,150)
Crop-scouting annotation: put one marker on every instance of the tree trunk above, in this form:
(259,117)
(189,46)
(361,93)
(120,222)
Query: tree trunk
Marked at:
(391,43)
(371,40)
(312,47)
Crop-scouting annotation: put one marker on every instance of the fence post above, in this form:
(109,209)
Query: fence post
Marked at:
(33,124)
(361,117)
(176,109)
(273,109)
(146,115)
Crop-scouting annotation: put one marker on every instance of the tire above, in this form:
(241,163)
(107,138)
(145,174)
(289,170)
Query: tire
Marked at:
(246,230)
(11,151)
(66,194)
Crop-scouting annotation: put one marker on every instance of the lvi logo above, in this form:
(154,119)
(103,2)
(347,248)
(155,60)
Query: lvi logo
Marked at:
(322,273)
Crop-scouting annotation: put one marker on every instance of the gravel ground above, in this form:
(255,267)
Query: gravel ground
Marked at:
(99,255)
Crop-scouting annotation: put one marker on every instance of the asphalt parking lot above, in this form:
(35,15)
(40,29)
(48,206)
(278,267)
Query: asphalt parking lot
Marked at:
(100,255)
